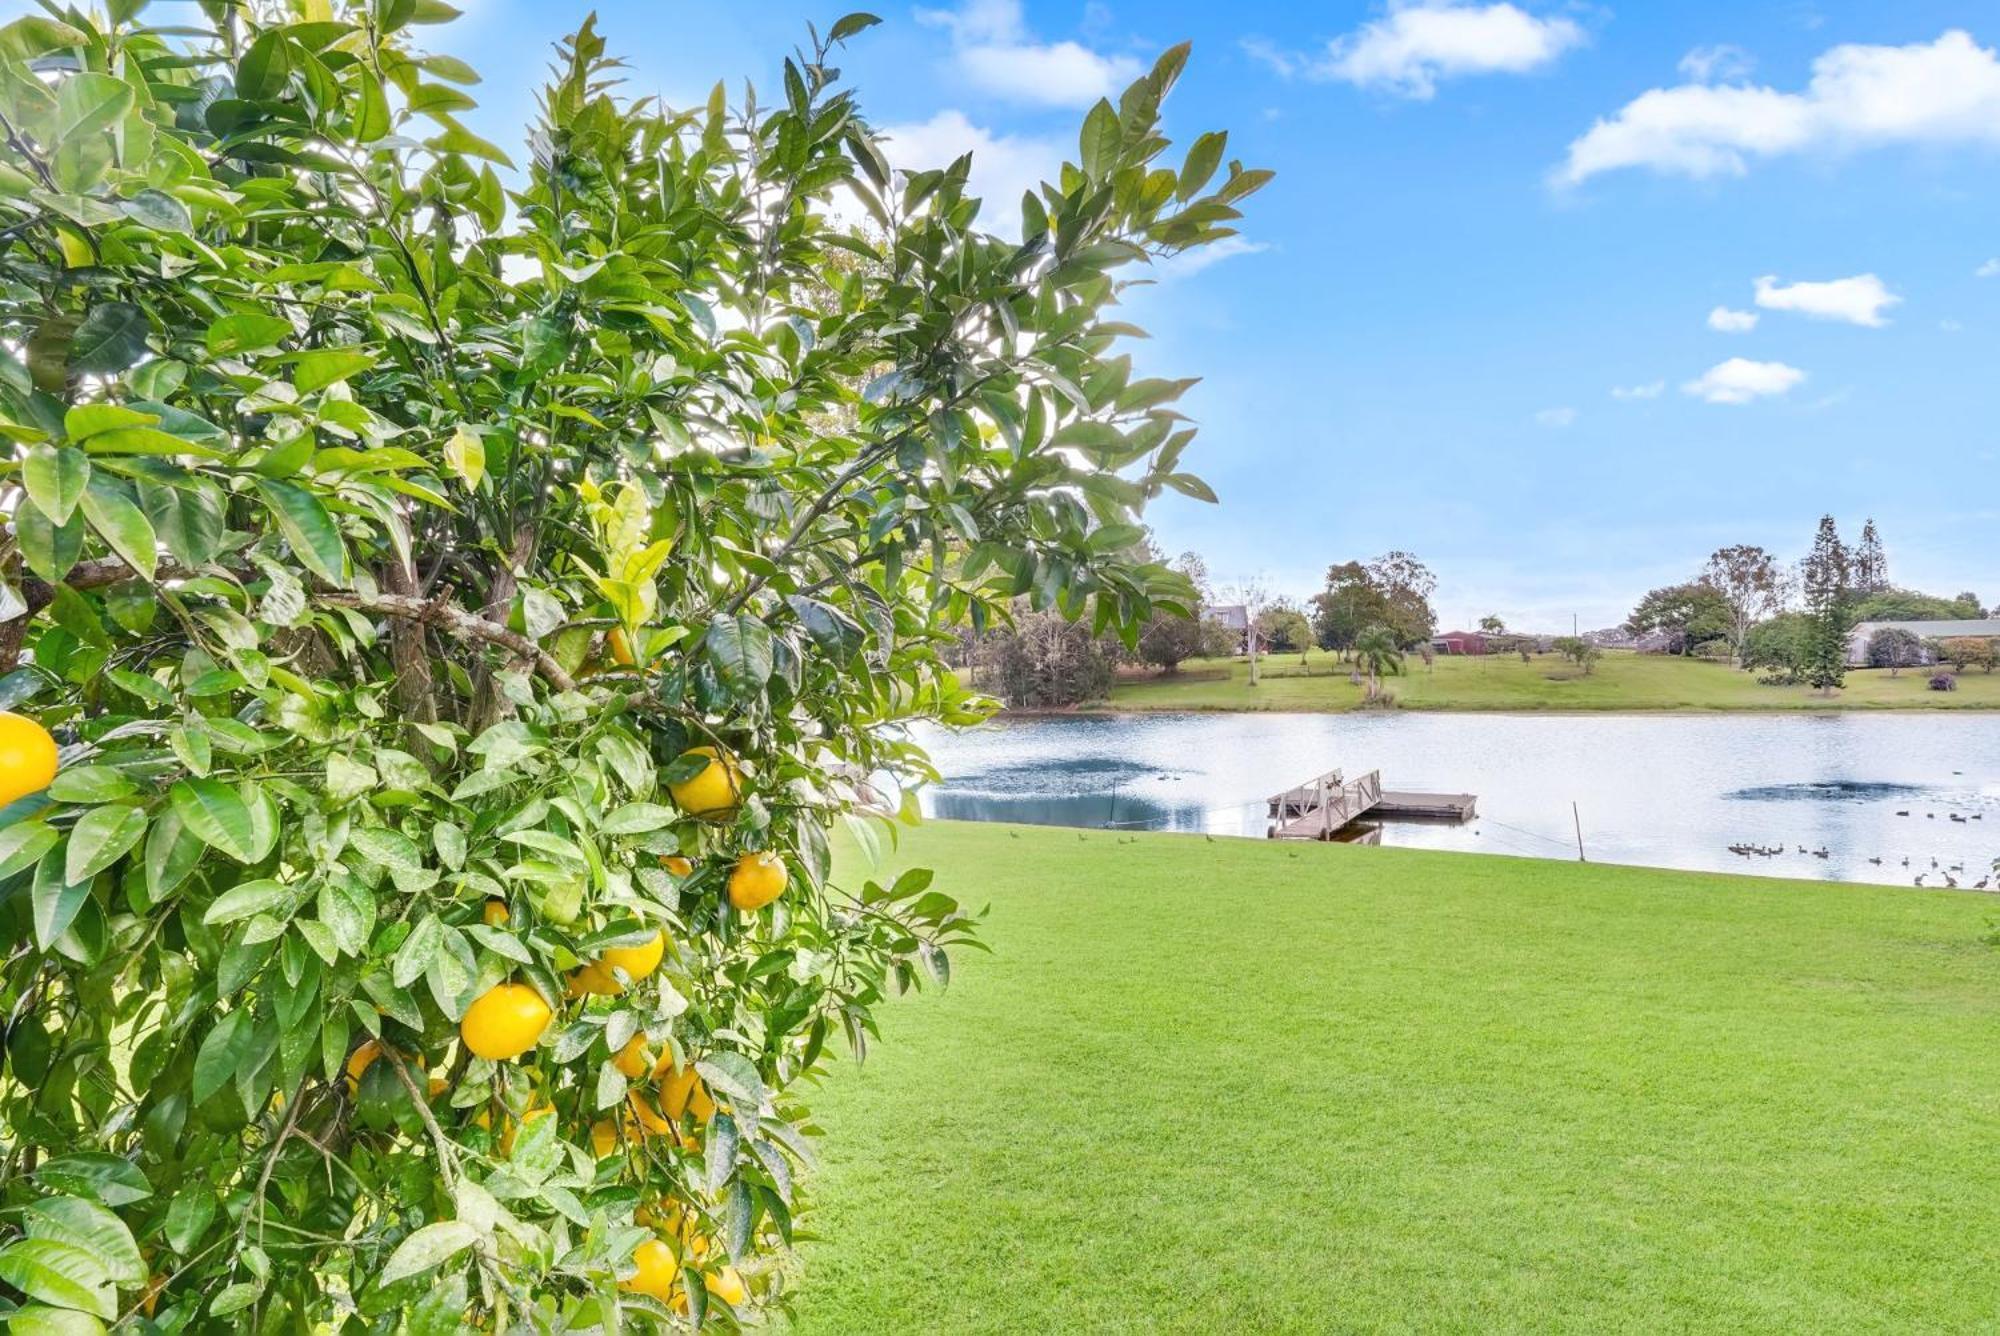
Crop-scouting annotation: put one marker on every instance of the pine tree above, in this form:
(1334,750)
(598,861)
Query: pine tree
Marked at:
(1826,575)
(1870,573)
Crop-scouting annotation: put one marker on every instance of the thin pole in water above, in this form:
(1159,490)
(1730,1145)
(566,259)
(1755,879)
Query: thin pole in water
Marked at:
(1578,819)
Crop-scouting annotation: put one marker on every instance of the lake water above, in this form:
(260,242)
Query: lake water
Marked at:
(1658,790)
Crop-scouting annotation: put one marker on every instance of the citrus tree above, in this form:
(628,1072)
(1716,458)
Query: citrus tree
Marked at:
(466,598)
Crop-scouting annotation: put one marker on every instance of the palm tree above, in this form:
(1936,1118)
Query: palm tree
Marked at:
(1376,651)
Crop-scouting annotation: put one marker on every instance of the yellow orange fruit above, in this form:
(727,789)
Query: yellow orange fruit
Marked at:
(28,758)
(620,647)
(757,880)
(682,1091)
(726,1285)
(714,793)
(495,913)
(358,1063)
(648,1115)
(637,962)
(604,1138)
(505,1021)
(677,866)
(658,1270)
(514,1127)
(633,1058)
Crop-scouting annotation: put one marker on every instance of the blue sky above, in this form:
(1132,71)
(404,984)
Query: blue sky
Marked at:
(1474,316)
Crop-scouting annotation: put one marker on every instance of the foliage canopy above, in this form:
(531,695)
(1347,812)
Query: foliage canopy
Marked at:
(382,541)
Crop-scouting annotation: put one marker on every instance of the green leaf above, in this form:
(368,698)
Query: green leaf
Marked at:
(221,1049)
(1098,143)
(432,1246)
(91,1227)
(216,815)
(55,477)
(265,66)
(391,848)
(246,332)
(188,1218)
(308,528)
(88,103)
(188,519)
(740,649)
(23,843)
(1202,159)
(29,38)
(322,367)
(51,550)
(158,210)
(101,837)
(248,899)
(91,784)
(40,1321)
(371,117)
(87,420)
(830,628)
(849,24)
(61,1274)
(110,1179)
(424,941)
(111,338)
(735,1076)
(235,1298)
(638,818)
(55,900)
(458,139)
(118,520)
(466,454)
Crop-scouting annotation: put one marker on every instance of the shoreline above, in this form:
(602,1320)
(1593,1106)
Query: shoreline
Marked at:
(1100,709)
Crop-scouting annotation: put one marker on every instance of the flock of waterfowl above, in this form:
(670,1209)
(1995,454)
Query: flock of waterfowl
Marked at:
(1746,850)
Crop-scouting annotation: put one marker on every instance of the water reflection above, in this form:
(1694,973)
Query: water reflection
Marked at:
(1887,797)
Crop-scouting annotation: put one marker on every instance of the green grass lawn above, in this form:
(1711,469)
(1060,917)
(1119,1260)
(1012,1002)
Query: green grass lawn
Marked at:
(1620,681)
(1238,1086)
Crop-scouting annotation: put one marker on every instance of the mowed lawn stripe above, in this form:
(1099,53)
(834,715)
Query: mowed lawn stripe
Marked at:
(1621,680)
(1229,1085)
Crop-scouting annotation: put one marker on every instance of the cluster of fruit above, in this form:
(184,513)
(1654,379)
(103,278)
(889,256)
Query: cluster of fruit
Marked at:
(508,1020)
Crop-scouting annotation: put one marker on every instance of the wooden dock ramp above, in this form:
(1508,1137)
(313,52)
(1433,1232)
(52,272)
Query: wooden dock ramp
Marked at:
(1321,809)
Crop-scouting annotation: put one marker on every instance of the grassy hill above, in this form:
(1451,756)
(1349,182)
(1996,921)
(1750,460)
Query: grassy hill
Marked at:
(1239,1086)
(1620,681)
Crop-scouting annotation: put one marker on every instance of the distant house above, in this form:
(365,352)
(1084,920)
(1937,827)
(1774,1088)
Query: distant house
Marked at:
(1978,628)
(1236,617)
(1459,642)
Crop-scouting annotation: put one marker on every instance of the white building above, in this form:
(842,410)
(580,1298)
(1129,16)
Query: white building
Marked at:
(1981,628)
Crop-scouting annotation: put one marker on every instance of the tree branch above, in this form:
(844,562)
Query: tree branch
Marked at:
(447,617)
(455,621)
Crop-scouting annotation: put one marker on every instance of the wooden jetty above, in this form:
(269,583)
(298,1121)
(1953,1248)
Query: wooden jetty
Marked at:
(1322,808)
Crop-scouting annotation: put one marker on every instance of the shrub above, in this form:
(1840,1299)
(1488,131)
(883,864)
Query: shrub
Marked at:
(468,624)
(1718,650)
(1962,652)
(1894,648)
(1943,682)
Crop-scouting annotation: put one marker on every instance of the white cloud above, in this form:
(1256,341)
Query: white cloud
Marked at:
(1859,300)
(1739,380)
(1189,263)
(1282,63)
(1418,43)
(1004,167)
(992,47)
(1941,92)
(1706,64)
(1652,389)
(1725,321)
(1991,269)
(1951,326)
(1556,417)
